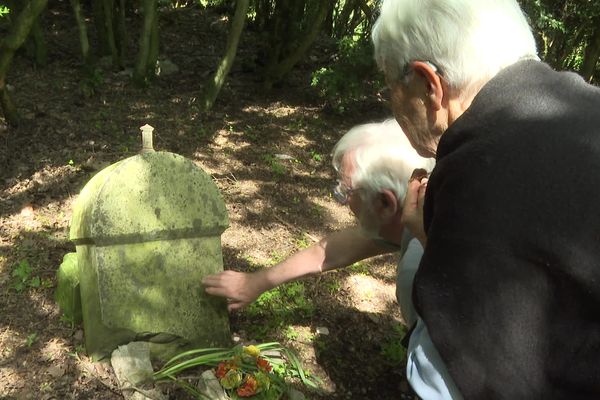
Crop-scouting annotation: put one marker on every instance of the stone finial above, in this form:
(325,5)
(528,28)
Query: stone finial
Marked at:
(147,138)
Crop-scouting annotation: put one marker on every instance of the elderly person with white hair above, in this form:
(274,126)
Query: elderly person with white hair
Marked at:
(509,283)
(374,163)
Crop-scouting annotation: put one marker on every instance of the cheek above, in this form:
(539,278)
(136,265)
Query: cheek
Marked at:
(354,204)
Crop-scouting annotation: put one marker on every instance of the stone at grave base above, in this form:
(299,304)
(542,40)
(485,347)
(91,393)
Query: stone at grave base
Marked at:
(133,369)
(294,394)
(67,289)
(209,386)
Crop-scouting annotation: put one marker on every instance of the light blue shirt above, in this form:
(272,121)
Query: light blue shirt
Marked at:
(425,369)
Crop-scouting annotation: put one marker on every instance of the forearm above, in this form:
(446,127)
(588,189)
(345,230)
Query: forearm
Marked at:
(337,250)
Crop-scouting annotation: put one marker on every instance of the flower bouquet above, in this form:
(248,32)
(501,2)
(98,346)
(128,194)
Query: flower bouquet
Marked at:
(256,372)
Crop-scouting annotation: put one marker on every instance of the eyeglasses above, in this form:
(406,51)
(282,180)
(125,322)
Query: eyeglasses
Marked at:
(341,192)
(408,69)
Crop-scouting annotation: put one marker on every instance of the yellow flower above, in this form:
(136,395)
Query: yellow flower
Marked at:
(252,350)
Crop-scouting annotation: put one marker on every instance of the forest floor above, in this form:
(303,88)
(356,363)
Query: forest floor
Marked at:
(269,154)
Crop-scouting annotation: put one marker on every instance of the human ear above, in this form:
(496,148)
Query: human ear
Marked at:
(387,204)
(433,82)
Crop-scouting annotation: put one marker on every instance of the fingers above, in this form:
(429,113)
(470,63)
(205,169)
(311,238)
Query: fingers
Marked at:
(218,284)
(233,305)
(421,194)
(412,194)
(237,287)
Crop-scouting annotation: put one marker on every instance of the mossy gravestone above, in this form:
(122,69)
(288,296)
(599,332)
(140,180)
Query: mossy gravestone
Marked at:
(147,229)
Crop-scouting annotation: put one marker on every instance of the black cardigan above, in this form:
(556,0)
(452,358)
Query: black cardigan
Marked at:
(509,284)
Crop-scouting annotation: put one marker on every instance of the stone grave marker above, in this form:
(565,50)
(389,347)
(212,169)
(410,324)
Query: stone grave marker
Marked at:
(147,229)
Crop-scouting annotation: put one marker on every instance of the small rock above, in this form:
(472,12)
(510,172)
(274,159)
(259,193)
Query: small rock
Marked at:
(321,330)
(294,394)
(374,318)
(166,67)
(56,371)
(209,386)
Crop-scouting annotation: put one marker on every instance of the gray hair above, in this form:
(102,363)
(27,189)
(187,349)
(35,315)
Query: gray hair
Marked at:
(382,155)
(470,41)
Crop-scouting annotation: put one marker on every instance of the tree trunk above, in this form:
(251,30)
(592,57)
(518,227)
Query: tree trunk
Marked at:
(215,84)
(83,35)
(109,23)
(154,47)
(122,39)
(100,25)
(38,44)
(592,53)
(18,33)
(140,73)
(263,11)
(277,72)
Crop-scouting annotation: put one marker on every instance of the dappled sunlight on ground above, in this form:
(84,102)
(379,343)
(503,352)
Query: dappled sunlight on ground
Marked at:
(369,294)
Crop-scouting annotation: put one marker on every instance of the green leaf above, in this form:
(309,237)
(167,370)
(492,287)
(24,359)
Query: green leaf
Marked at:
(35,282)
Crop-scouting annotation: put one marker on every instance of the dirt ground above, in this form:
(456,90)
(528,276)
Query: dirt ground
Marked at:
(268,153)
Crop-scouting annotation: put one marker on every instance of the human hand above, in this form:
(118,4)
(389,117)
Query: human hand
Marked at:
(240,288)
(412,211)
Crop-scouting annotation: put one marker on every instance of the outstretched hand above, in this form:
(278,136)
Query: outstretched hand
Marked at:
(412,212)
(240,288)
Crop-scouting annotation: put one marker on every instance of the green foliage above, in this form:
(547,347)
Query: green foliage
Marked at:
(316,156)
(276,258)
(352,75)
(563,29)
(4,10)
(290,333)
(392,349)
(332,286)
(278,307)
(31,339)
(22,277)
(359,268)
(303,242)
(277,168)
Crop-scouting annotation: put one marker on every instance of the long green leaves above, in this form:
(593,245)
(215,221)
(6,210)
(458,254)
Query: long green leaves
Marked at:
(285,364)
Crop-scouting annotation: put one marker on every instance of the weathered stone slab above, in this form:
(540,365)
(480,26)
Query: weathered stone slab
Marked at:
(147,230)
(67,289)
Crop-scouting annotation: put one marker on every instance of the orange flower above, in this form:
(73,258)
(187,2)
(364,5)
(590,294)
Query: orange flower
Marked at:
(263,365)
(223,367)
(248,388)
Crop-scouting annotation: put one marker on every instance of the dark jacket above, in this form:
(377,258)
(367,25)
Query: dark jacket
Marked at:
(509,284)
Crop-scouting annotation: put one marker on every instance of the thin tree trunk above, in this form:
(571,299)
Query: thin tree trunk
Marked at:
(83,35)
(592,54)
(154,47)
(215,84)
(140,73)
(122,39)
(38,42)
(109,7)
(280,70)
(100,25)
(18,33)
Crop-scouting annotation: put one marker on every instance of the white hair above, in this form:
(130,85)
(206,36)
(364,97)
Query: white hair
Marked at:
(383,158)
(470,41)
